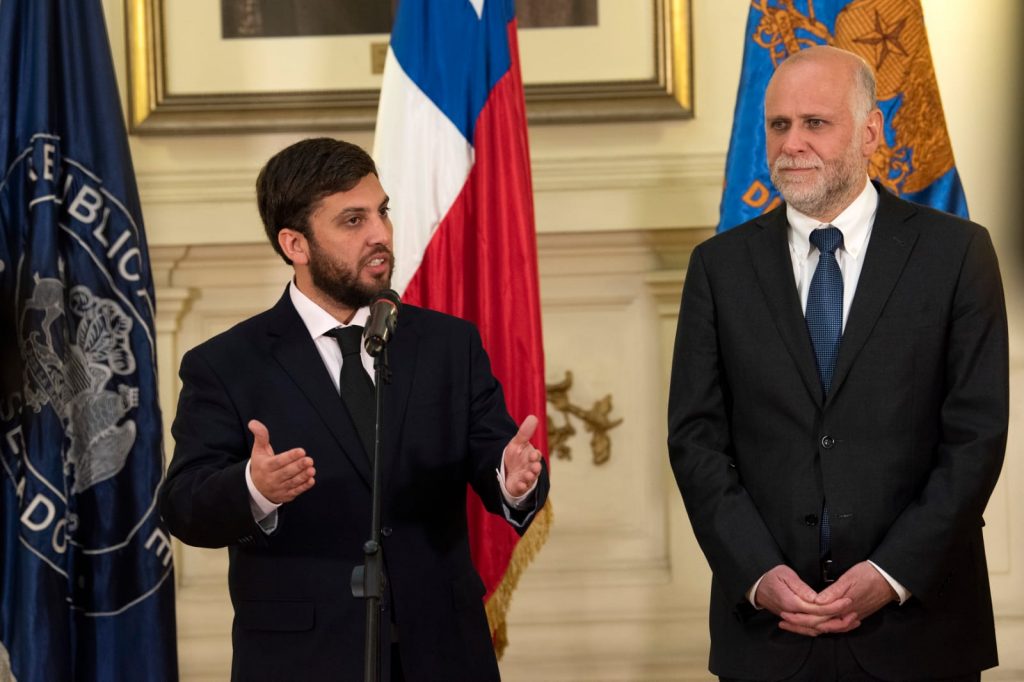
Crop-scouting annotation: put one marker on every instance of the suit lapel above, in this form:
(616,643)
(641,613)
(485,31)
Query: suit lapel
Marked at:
(892,240)
(292,347)
(769,251)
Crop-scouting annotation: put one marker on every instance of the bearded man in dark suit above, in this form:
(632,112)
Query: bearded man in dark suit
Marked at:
(294,515)
(838,409)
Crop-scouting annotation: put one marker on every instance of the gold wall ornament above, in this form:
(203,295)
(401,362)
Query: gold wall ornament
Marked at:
(595,421)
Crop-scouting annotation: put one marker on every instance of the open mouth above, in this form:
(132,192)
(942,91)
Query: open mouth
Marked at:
(378,261)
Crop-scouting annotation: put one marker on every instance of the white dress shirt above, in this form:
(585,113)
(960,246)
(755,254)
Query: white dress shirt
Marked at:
(855,222)
(318,322)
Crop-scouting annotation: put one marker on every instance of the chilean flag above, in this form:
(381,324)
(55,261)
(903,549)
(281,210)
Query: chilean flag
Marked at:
(451,148)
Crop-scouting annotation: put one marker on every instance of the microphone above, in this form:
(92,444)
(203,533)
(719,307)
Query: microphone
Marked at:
(382,322)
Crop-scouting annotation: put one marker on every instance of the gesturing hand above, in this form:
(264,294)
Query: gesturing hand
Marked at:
(282,477)
(782,592)
(522,460)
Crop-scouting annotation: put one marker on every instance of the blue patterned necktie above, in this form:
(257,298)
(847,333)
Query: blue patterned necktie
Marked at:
(825,303)
(825,323)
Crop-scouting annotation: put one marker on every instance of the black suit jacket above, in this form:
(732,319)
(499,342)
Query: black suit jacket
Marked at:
(445,425)
(906,447)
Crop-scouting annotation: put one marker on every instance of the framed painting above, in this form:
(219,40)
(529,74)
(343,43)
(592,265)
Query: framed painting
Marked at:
(196,66)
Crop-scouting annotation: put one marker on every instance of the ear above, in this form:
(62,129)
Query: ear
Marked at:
(294,245)
(873,131)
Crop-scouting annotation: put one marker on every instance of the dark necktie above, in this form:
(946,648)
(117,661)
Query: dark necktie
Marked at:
(356,387)
(825,323)
(825,303)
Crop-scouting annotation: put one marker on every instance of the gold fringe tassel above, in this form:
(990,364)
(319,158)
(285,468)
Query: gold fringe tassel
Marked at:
(524,553)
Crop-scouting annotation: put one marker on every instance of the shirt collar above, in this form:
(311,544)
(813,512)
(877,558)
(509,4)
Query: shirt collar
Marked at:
(854,222)
(317,320)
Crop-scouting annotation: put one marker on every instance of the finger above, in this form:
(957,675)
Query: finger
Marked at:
(831,609)
(290,485)
(286,459)
(292,493)
(284,474)
(845,624)
(515,487)
(261,437)
(525,477)
(800,589)
(837,590)
(807,620)
(300,488)
(789,627)
(525,432)
(525,458)
(304,474)
(521,485)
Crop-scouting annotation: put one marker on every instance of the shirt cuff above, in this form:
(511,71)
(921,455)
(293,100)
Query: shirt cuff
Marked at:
(752,592)
(264,512)
(901,592)
(517,503)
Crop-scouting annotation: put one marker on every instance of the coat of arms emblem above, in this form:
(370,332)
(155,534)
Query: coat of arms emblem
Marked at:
(72,352)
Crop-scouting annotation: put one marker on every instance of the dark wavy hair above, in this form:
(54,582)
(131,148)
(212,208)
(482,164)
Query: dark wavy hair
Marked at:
(295,179)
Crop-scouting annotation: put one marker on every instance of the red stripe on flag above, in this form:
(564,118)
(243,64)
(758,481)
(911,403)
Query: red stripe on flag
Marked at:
(481,265)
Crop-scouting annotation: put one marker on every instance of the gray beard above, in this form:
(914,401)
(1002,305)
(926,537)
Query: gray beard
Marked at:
(830,195)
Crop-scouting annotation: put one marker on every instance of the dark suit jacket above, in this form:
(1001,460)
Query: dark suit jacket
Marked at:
(445,425)
(906,447)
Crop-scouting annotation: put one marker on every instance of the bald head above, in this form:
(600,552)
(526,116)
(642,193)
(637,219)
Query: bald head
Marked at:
(852,68)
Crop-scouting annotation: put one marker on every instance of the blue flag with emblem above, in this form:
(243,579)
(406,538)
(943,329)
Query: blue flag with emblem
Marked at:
(86,582)
(915,159)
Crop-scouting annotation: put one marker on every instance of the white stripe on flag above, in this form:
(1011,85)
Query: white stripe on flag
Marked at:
(423,161)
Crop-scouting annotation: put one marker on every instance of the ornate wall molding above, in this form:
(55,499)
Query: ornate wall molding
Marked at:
(551,174)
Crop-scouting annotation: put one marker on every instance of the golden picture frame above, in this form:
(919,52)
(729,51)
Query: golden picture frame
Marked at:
(158,106)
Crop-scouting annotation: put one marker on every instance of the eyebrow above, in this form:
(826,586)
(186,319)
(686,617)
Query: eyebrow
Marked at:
(801,117)
(813,114)
(350,211)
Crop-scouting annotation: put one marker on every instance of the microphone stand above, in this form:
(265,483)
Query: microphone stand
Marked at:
(368,580)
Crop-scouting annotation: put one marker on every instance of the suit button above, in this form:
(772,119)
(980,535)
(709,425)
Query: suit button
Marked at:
(827,442)
(811,520)
(386,531)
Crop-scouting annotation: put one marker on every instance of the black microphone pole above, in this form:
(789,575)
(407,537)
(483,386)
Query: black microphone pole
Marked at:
(368,580)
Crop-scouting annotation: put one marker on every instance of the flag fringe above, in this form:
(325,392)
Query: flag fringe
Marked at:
(524,553)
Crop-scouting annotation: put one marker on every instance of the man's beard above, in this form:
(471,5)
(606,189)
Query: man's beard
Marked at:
(830,191)
(341,283)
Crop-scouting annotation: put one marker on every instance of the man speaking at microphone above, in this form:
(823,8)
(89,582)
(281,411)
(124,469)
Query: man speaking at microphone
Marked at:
(274,434)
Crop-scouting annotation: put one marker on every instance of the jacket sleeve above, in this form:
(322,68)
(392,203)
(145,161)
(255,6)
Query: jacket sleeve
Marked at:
(205,500)
(974,415)
(490,429)
(734,538)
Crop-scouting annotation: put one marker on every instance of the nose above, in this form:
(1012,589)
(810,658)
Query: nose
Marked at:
(380,231)
(793,142)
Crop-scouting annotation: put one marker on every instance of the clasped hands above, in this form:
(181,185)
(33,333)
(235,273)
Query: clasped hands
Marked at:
(841,607)
(283,476)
